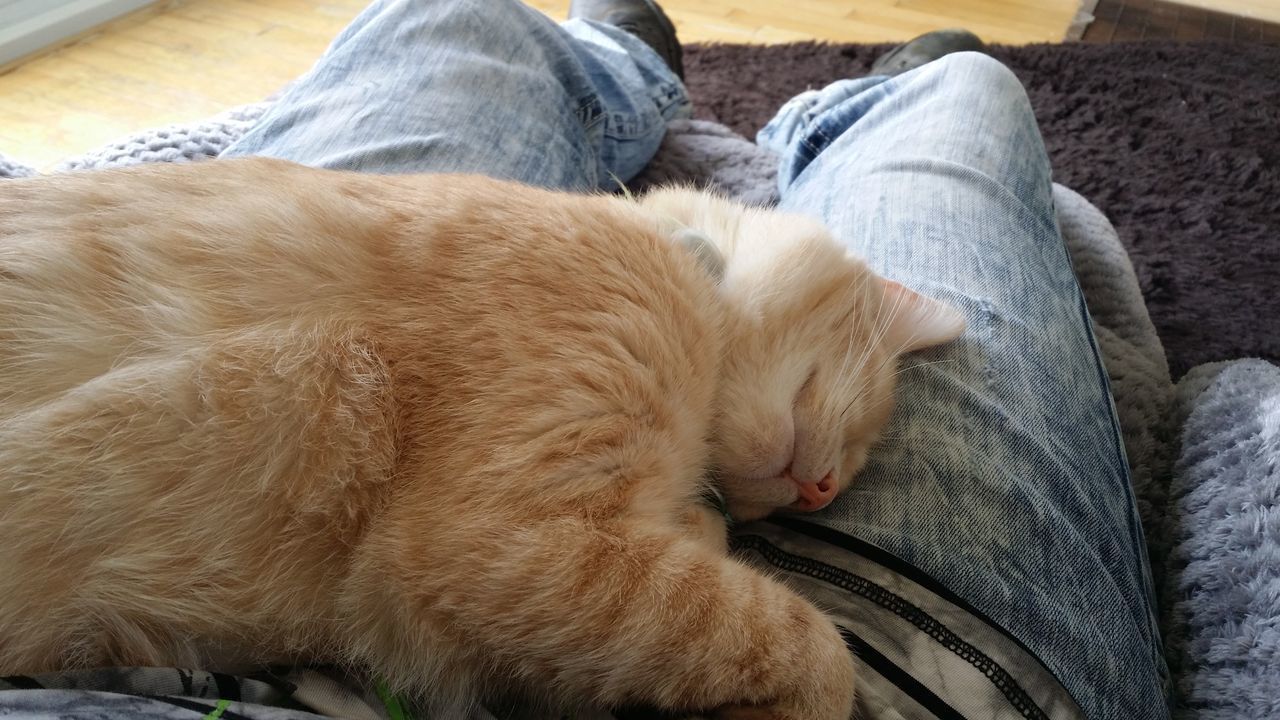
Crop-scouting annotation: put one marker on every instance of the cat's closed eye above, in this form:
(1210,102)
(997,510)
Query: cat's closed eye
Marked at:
(819,374)
(808,383)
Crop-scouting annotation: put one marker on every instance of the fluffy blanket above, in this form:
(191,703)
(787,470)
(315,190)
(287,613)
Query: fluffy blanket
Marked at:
(1204,453)
(1221,539)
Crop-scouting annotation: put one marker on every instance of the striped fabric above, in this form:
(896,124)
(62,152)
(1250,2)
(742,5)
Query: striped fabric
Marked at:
(915,641)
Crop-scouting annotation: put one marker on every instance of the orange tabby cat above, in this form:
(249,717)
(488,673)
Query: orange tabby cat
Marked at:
(448,429)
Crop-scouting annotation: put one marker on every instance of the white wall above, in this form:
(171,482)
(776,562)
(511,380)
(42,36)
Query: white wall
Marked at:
(30,25)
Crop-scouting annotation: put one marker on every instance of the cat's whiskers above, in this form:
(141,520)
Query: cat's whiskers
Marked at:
(915,366)
(880,329)
(874,406)
(888,441)
(899,388)
(857,286)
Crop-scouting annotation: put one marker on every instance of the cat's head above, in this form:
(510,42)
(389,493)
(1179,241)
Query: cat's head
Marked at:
(812,351)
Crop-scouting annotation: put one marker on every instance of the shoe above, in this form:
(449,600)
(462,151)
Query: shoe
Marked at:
(924,49)
(642,18)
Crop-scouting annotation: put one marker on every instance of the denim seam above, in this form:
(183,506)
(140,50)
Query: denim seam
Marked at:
(826,139)
(590,114)
(812,149)
(1147,581)
(585,105)
(666,96)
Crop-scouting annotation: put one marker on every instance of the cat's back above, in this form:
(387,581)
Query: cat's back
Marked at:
(475,290)
(474,278)
(565,329)
(211,374)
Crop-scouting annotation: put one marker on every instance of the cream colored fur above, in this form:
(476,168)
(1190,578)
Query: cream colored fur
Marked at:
(811,349)
(445,429)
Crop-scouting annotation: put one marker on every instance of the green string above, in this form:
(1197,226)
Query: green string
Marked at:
(390,702)
(714,497)
(217,711)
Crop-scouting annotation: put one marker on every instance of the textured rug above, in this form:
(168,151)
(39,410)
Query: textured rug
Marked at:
(1178,144)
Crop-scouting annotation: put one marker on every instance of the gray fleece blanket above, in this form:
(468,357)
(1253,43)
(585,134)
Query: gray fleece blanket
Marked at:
(1205,454)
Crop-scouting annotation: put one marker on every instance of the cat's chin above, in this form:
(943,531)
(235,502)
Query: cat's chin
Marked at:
(748,506)
(746,512)
(752,498)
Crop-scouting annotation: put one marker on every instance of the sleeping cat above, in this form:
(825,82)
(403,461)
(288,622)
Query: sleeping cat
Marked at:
(443,428)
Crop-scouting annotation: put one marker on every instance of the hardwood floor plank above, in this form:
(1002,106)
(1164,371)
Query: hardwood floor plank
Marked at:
(1191,23)
(1131,23)
(1028,17)
(1218,27)
(1162,22)
(1264,10)
(1248,31)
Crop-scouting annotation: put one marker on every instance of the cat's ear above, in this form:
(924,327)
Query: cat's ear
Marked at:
(918,322)
(700,246)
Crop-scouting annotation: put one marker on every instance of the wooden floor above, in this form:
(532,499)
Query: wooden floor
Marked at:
(188,59)
(1131,20)
(770,21)
(1265,10)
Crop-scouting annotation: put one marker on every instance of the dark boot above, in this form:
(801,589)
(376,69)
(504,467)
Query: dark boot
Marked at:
(642,18)
(926,48)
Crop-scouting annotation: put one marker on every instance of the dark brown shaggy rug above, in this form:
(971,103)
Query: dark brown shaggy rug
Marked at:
(1179,144)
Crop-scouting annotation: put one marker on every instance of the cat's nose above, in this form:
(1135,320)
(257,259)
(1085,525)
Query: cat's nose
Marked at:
(815,496)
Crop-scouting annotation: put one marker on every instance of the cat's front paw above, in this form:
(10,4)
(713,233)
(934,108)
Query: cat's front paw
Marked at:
(827,694)
(707,527)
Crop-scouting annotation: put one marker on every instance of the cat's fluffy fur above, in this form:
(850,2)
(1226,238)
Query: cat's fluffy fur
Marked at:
(811,348)
(445,428)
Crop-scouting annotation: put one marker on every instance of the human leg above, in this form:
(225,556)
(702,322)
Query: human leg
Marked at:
(1003,480)
(484,86)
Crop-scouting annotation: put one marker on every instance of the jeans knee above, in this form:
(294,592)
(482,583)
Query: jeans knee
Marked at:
(491,10)
(977,70)
(972,76)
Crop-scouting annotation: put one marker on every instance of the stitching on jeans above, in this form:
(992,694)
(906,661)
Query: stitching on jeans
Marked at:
(826,139)
(812,151)
(590,112)
(986,311)
(993,671)
(667,96)
(590,116)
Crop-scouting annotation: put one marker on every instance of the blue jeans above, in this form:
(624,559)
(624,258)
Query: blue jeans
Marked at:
(989,561)
(487,87)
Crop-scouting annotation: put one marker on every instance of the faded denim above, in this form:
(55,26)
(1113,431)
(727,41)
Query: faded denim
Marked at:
(485,86)
(1005,476)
